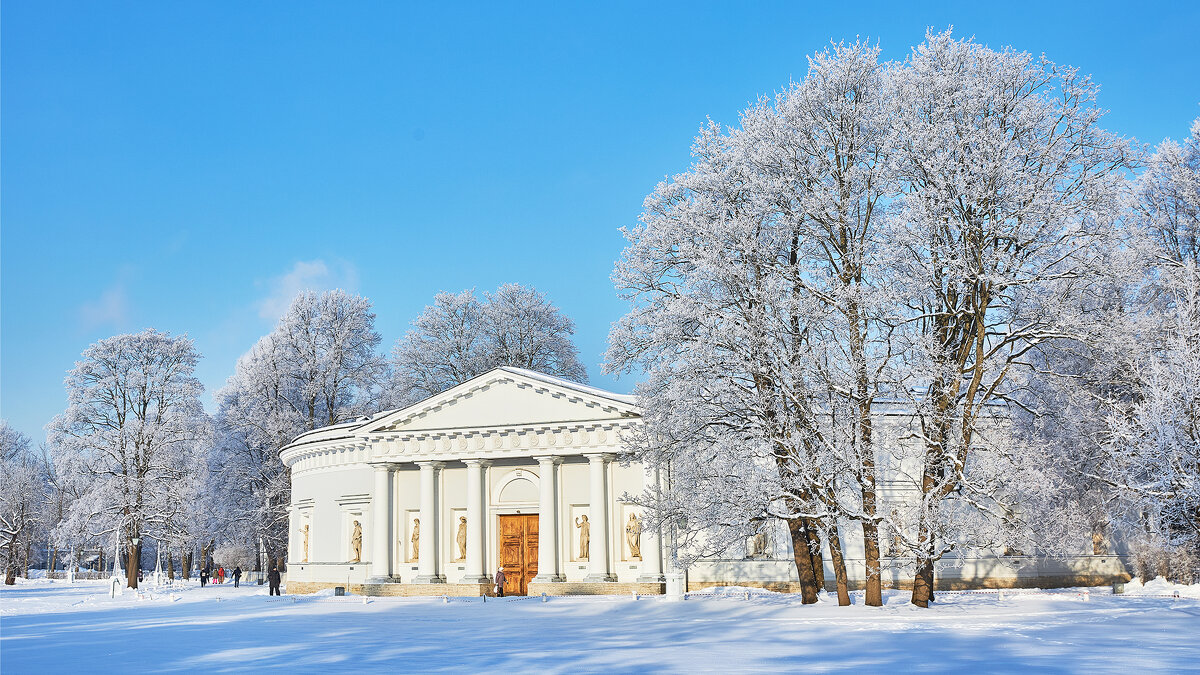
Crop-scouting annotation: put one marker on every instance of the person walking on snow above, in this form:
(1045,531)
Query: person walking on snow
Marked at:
(273,580)
(237,575)
(221,574)
(203,576)
(500,578)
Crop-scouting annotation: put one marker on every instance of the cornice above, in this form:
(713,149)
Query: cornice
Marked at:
(567,438)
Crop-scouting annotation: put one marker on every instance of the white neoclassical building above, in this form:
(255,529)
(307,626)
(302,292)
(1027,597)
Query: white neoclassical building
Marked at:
(520,469)
(512,467)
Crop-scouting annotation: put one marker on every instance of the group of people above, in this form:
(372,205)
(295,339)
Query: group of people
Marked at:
(218,577)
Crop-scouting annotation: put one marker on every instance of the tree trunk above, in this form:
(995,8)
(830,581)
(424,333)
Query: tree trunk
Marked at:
(922,593)
(814,546)
(185,563)
(133,564)
(874,589)
(923,585)
(50,562)
(839,567)
(170,567)
(10,566)
(804,567)
(866,429)
(870,527)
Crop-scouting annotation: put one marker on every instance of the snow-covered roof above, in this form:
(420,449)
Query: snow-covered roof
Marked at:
(568,384)
(349,429)
(339,430)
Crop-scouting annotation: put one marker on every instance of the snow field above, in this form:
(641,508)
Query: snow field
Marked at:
(52,626)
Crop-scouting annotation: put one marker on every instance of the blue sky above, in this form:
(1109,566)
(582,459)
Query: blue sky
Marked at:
(189,166)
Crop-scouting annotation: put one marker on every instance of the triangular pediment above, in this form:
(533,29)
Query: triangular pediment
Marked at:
(506,397)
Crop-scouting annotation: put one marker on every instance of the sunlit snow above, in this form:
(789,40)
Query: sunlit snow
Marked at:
(55,627)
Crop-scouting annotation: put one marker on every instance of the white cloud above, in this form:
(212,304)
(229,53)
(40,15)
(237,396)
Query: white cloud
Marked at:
(111,308)
(305,275)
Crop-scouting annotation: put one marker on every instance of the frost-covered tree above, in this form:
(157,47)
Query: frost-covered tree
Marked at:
(234,554)
(923,250)
(319,366)
(22,493)
(1153,447)
(1138,460)
(1010,190)
(1088,394)
(761,316)
(1168,203)
(133,432)
(445,346)
(523,329)
(460,336)
(13,443)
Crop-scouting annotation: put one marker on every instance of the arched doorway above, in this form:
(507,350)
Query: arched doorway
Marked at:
(518,532)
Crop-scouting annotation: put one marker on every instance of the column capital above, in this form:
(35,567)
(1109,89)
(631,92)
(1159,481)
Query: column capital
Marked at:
(548,459)
(477,462)
(599,456)
(431,463)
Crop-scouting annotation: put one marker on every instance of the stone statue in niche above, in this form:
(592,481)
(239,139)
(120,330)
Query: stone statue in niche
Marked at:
(356,542)
(415,539)
(633,536)
(305,543)
(758,546)
(461,538)
(585,536)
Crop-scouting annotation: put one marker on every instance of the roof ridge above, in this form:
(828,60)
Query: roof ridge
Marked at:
(569,384)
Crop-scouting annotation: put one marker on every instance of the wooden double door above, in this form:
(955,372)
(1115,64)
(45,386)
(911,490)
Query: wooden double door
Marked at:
(518,551)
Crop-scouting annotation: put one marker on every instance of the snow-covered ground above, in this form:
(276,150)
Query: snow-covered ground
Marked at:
(53,626)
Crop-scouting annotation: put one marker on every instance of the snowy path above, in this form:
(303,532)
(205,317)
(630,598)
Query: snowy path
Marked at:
(56,627)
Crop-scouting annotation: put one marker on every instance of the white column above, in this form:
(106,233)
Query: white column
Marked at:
(381,525)
(652,571)
(598,515)
(427,560)
(548,520)
(476,572)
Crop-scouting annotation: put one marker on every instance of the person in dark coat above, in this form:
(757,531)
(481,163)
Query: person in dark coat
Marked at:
(237,575)
(204,576)
(500,578)
(273,580)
